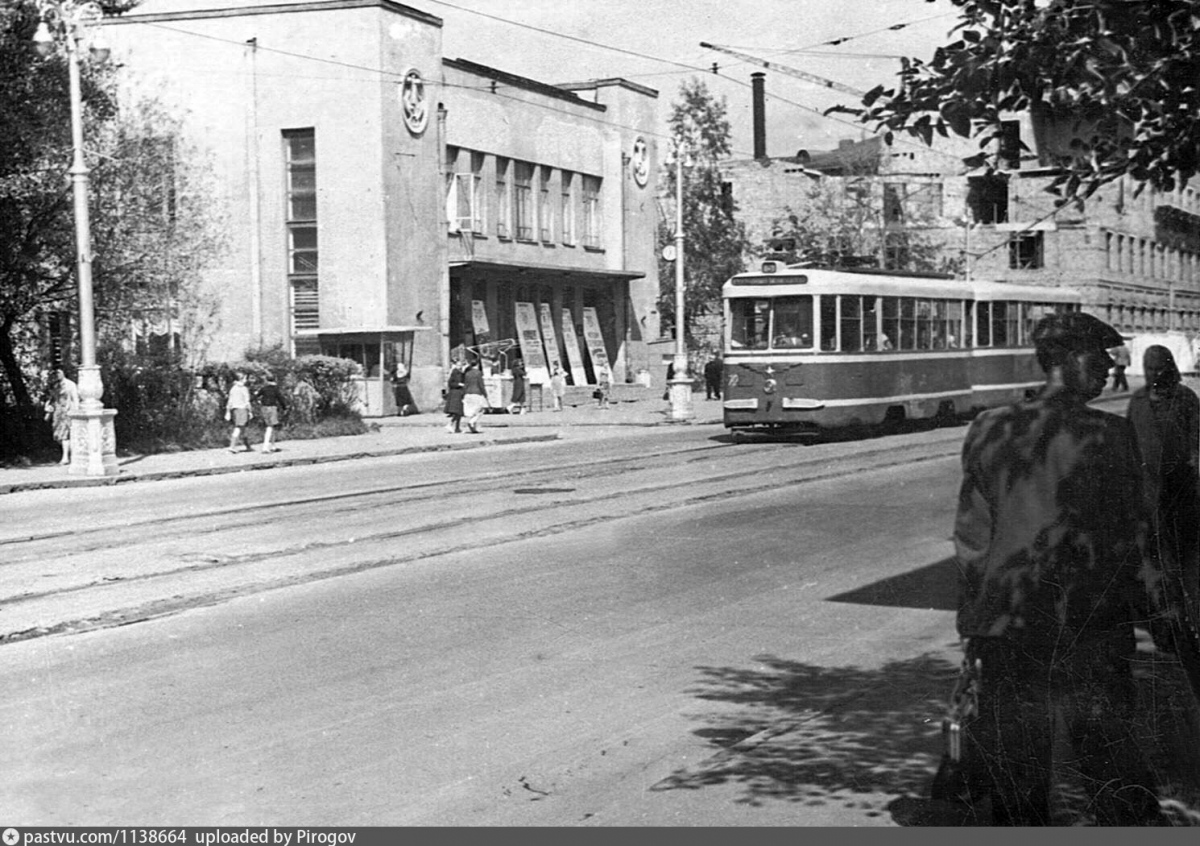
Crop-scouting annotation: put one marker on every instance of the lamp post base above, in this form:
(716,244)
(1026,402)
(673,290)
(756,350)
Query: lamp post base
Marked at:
(681,400)
(93,443)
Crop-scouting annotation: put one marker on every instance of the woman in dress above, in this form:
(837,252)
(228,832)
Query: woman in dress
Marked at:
(558,387)
(517,404)
(454,398)
(58,412)
(474,396)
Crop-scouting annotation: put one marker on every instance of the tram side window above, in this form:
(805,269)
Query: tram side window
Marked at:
(969,324)
(749,322)
(870,323)
(954,324)
(1015,338)
(924,324)
(999,324)
(891,323)
(829,323)
(852,335)
(1034,312)
(908,323)
(939,324)
(793,322)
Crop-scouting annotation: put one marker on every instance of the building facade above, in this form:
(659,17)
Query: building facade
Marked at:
(388,204)
(1133,253)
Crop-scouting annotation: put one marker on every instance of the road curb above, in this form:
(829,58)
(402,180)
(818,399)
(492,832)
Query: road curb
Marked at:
(161,475)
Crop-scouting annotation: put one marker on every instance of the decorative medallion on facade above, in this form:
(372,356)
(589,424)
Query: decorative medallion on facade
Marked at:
(414,102)
(639,159)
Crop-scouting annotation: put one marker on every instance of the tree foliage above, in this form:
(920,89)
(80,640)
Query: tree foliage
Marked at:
(840,223)
(715,243)
(149,238)
(1123,74)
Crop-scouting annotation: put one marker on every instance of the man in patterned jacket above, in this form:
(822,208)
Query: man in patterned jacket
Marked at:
(1050,537)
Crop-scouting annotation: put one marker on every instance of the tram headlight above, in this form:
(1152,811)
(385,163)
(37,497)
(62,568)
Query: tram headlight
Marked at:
(769,386)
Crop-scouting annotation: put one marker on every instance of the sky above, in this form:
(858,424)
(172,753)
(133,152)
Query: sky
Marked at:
(657,44)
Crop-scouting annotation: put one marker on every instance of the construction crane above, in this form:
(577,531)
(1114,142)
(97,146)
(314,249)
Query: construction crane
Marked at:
(784,69)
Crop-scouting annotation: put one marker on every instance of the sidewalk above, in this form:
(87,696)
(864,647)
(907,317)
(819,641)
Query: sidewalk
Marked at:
(632,406)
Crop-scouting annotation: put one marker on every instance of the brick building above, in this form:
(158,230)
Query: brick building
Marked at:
(1133,255)
(386,203)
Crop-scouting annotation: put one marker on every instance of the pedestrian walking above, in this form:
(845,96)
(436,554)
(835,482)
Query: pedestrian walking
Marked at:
(1166,417)
(712,377)
(270,405)
(63,403)
(237,411)
(405,404)
(454,398)
(474,396)
(1053,573)
(517,400)
(1120,356)
(558,387)
(604,382)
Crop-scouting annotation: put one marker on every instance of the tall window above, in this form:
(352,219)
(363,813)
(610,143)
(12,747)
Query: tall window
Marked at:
(465,201)
(568,208)
(523,199)
(591,211)
(1010,144)
(545,220)
(503,204)
(303,258)
(893,203)
(987,197)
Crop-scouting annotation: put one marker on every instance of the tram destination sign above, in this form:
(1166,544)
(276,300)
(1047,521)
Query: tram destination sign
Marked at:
(797,279)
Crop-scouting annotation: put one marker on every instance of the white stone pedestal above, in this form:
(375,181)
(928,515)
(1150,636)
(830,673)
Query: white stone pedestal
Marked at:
(93,441)
(681,400)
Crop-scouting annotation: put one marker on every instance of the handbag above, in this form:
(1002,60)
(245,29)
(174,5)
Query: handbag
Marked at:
(597,394)
(956,774)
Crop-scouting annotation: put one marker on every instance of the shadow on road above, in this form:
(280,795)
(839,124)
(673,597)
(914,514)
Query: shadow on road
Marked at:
(822,736)
(933,587)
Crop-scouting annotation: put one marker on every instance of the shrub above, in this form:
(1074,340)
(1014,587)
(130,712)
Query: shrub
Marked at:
(162,407)
(330,379)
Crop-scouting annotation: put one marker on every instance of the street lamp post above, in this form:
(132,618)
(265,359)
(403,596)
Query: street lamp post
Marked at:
(93,442)
(681,385)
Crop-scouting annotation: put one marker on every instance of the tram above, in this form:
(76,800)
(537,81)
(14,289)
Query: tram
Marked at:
(808,349)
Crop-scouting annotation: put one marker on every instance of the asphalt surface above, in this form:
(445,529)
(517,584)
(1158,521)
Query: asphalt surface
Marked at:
(426,433)
(633,406)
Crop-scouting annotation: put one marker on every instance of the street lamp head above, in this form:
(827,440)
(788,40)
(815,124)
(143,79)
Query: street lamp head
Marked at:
(43,39)
(99,50)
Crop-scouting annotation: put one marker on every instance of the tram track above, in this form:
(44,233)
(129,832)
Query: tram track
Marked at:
(122,588)
(414,492)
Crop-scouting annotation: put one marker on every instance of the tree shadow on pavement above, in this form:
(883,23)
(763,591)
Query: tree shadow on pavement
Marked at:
(848,737)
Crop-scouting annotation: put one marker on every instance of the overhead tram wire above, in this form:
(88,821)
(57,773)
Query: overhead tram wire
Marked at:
(712,69)
(495,89)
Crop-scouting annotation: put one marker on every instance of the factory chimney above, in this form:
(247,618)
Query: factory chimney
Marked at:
(760,114)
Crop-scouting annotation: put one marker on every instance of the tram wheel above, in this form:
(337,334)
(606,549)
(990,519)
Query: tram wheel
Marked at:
(946,415)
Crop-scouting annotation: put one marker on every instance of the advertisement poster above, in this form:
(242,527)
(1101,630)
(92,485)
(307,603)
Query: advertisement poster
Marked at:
(574,353)
(531,344)
(549,338)
(594,340)
(480,322)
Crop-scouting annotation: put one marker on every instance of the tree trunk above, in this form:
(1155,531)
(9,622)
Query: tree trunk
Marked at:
(18,424)
(12,370)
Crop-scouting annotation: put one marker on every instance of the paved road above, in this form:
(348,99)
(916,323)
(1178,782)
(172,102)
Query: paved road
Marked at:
(588,661)
(658,630)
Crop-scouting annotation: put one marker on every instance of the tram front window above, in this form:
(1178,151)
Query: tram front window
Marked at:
(749,323)
(793,325)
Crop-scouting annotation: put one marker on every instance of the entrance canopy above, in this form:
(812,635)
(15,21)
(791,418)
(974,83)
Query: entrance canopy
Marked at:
(532,272)
(376,348)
